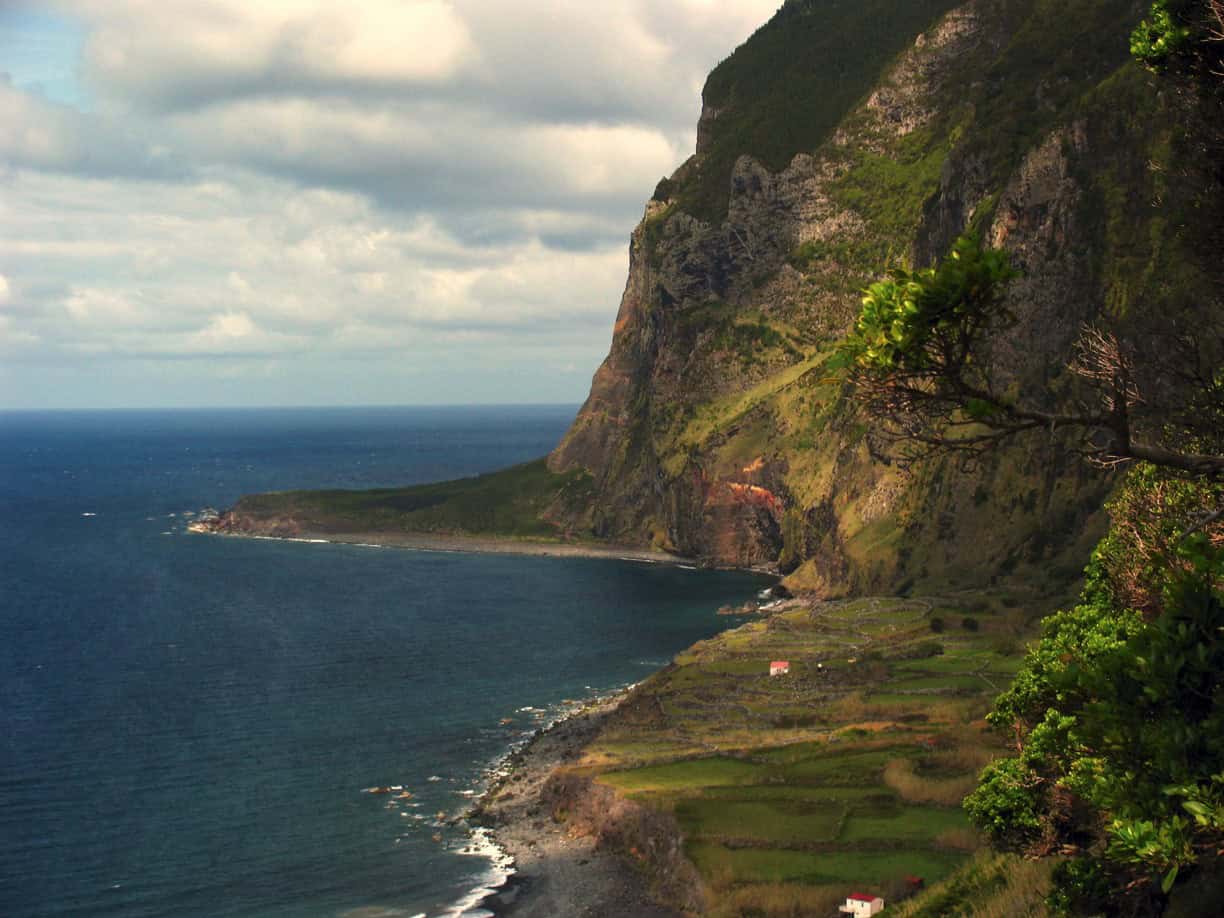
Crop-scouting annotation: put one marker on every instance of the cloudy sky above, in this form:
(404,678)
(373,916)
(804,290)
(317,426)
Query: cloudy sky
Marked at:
(296,202)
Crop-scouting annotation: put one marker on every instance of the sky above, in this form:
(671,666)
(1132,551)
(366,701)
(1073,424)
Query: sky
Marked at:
(294,202)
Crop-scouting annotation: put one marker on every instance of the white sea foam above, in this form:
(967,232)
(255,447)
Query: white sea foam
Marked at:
(501,868)
(482,843)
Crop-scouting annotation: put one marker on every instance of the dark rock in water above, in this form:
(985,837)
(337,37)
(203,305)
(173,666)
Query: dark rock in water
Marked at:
(778,591)
(500,901)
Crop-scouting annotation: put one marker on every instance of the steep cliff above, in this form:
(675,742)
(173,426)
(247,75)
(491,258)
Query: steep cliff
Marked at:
(840,139)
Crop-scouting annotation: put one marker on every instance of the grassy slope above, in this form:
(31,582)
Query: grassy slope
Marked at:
(513,502)
(845,774)
(786,89)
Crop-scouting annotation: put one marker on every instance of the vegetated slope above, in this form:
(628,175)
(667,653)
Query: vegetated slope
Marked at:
(844,774)
(514,502)
(714,427)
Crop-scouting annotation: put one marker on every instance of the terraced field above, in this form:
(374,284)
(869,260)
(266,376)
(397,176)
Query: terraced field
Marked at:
(845,774)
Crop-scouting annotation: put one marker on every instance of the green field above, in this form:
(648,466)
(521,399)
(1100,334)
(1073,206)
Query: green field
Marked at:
(867,869)
(846,773)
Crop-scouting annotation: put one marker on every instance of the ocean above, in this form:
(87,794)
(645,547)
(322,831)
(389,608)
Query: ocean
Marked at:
(189,724)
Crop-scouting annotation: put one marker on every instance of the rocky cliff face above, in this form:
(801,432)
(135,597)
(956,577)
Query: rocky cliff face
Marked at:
(714,426)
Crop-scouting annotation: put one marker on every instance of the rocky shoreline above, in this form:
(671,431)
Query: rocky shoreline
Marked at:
(560,866)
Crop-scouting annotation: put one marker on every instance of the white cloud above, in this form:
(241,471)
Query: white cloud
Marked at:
(229,326)
(40,134)
(169,55)
(339,181)
(101,307)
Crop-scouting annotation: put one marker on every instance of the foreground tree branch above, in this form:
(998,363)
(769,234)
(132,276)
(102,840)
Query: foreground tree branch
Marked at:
(922,356)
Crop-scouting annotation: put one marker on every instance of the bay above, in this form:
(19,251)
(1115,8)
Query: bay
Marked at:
(188,723)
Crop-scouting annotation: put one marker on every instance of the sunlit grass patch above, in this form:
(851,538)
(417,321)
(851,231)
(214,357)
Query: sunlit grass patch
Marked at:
(606,753)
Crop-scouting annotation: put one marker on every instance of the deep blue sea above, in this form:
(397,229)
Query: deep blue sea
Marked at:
(187,722)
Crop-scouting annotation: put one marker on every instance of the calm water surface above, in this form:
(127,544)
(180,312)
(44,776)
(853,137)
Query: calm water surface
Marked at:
(187,722)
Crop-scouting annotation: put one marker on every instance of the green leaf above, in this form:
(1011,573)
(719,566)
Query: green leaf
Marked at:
(1169,879)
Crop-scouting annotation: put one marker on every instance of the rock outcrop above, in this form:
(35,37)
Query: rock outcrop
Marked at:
(714,427)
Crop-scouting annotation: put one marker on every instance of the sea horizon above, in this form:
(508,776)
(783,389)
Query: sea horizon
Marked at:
(425,406)
(192,723)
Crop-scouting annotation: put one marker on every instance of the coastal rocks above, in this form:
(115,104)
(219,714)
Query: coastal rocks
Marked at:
(561,867)
(649,836)
(240,521)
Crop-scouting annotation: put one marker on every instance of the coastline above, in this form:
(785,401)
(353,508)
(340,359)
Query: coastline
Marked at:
(540,866)
(554,871)
(491,545)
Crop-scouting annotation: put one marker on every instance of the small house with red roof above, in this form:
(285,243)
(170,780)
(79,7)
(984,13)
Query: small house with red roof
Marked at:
(862,904)
(779,668)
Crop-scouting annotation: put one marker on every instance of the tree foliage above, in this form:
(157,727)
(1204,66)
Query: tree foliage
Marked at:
(1182,37)
(1117,716)
(922,354)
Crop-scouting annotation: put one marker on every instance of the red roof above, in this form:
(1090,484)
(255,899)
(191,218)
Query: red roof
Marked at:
(780,663)
(862,897)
